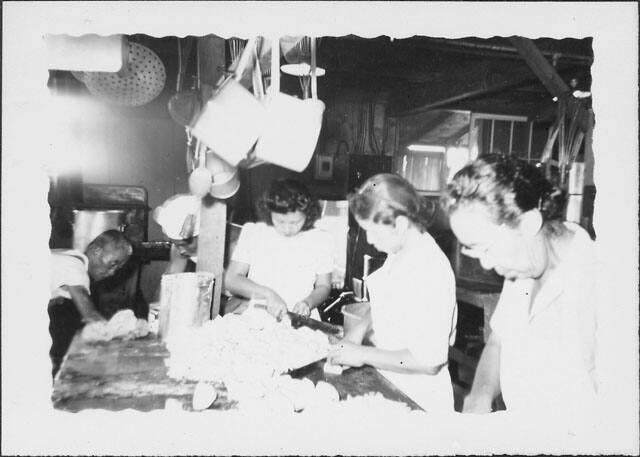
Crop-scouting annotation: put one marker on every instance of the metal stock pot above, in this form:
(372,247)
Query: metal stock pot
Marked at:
(88,224)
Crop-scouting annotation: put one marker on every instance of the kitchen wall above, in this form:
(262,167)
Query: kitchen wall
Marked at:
(133,146)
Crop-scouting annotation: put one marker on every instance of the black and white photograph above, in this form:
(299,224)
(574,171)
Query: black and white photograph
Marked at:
(320,228)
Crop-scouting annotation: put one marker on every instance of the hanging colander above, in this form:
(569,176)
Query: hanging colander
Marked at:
(140,81)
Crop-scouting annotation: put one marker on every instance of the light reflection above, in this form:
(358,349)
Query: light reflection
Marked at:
(457,157)
(71,134)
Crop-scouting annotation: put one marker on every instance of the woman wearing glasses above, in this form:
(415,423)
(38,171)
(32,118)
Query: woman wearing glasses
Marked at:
(540,354)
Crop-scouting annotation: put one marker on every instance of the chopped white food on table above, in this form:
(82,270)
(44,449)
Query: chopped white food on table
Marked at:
(249,348)
(326,392)
(204,395)
(123,324)
(330,368)
(96,331)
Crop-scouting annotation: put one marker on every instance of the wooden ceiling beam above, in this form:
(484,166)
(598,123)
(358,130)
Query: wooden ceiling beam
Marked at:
(498,51)
(540,66)
(480,91)
(454,92)
(550,78)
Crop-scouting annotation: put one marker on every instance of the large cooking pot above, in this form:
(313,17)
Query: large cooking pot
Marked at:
(88,224)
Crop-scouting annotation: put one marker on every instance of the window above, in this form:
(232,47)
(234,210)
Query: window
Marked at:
(498,134)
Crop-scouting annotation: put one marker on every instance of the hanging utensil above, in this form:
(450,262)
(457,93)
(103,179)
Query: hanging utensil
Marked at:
(200,178)
(139,82)
(251,160)
(185,105)
(191,156)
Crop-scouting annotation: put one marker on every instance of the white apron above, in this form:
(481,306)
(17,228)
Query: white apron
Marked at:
(402,319)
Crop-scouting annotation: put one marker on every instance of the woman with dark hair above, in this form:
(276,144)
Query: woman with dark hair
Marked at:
(413,313)
(284,259)
(540,354)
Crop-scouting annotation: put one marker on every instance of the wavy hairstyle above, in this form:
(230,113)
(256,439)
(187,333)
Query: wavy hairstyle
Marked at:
(288,196)
(384,197)
(507,187)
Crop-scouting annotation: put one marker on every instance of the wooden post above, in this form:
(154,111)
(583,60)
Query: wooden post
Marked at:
(211,242)
(213,213)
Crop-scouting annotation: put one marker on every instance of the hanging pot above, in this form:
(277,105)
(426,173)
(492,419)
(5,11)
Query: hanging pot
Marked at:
(225,182)
(292,125)
(233,119)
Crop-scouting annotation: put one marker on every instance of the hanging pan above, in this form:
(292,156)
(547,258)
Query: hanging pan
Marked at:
(292,125)
(140,81)
(233,119)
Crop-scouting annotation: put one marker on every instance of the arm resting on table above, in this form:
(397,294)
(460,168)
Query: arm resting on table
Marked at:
(401,360)
(486,382)
(85,306)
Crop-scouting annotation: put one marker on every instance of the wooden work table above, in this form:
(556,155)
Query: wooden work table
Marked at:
(119,375)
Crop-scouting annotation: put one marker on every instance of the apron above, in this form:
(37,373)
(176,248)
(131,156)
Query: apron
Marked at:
(431,392)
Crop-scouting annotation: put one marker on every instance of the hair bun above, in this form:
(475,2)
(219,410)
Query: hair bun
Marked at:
(552,204)
(427,211)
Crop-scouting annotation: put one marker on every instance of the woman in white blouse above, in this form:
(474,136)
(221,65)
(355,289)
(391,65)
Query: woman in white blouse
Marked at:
(284,259)
(413,310)
(541,352)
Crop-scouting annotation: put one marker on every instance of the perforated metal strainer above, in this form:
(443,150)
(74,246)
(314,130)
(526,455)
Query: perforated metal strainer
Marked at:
(139,82)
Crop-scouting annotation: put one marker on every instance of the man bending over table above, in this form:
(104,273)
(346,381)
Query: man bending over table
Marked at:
(70,306)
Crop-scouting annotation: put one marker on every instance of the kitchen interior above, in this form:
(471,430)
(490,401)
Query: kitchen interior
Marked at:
(420,107)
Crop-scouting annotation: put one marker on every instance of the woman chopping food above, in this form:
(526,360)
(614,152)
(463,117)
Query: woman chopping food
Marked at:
(413,310)
(283,260)
(540,354)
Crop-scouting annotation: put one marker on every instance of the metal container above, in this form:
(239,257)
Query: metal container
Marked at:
(88,224)
(185,301)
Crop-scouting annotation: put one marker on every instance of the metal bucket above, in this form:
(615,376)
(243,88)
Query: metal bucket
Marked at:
(231,122)
(185,300)
(292,128)
(88,224)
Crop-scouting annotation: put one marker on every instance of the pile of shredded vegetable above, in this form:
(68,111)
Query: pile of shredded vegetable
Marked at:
(234,348)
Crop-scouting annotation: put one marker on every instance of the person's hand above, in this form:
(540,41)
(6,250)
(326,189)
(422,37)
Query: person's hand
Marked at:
(93,316)
(276,305)
(477,404)
(303,308)
(346,353)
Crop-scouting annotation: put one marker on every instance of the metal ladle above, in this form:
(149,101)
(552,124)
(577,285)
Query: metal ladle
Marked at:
(185,105)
